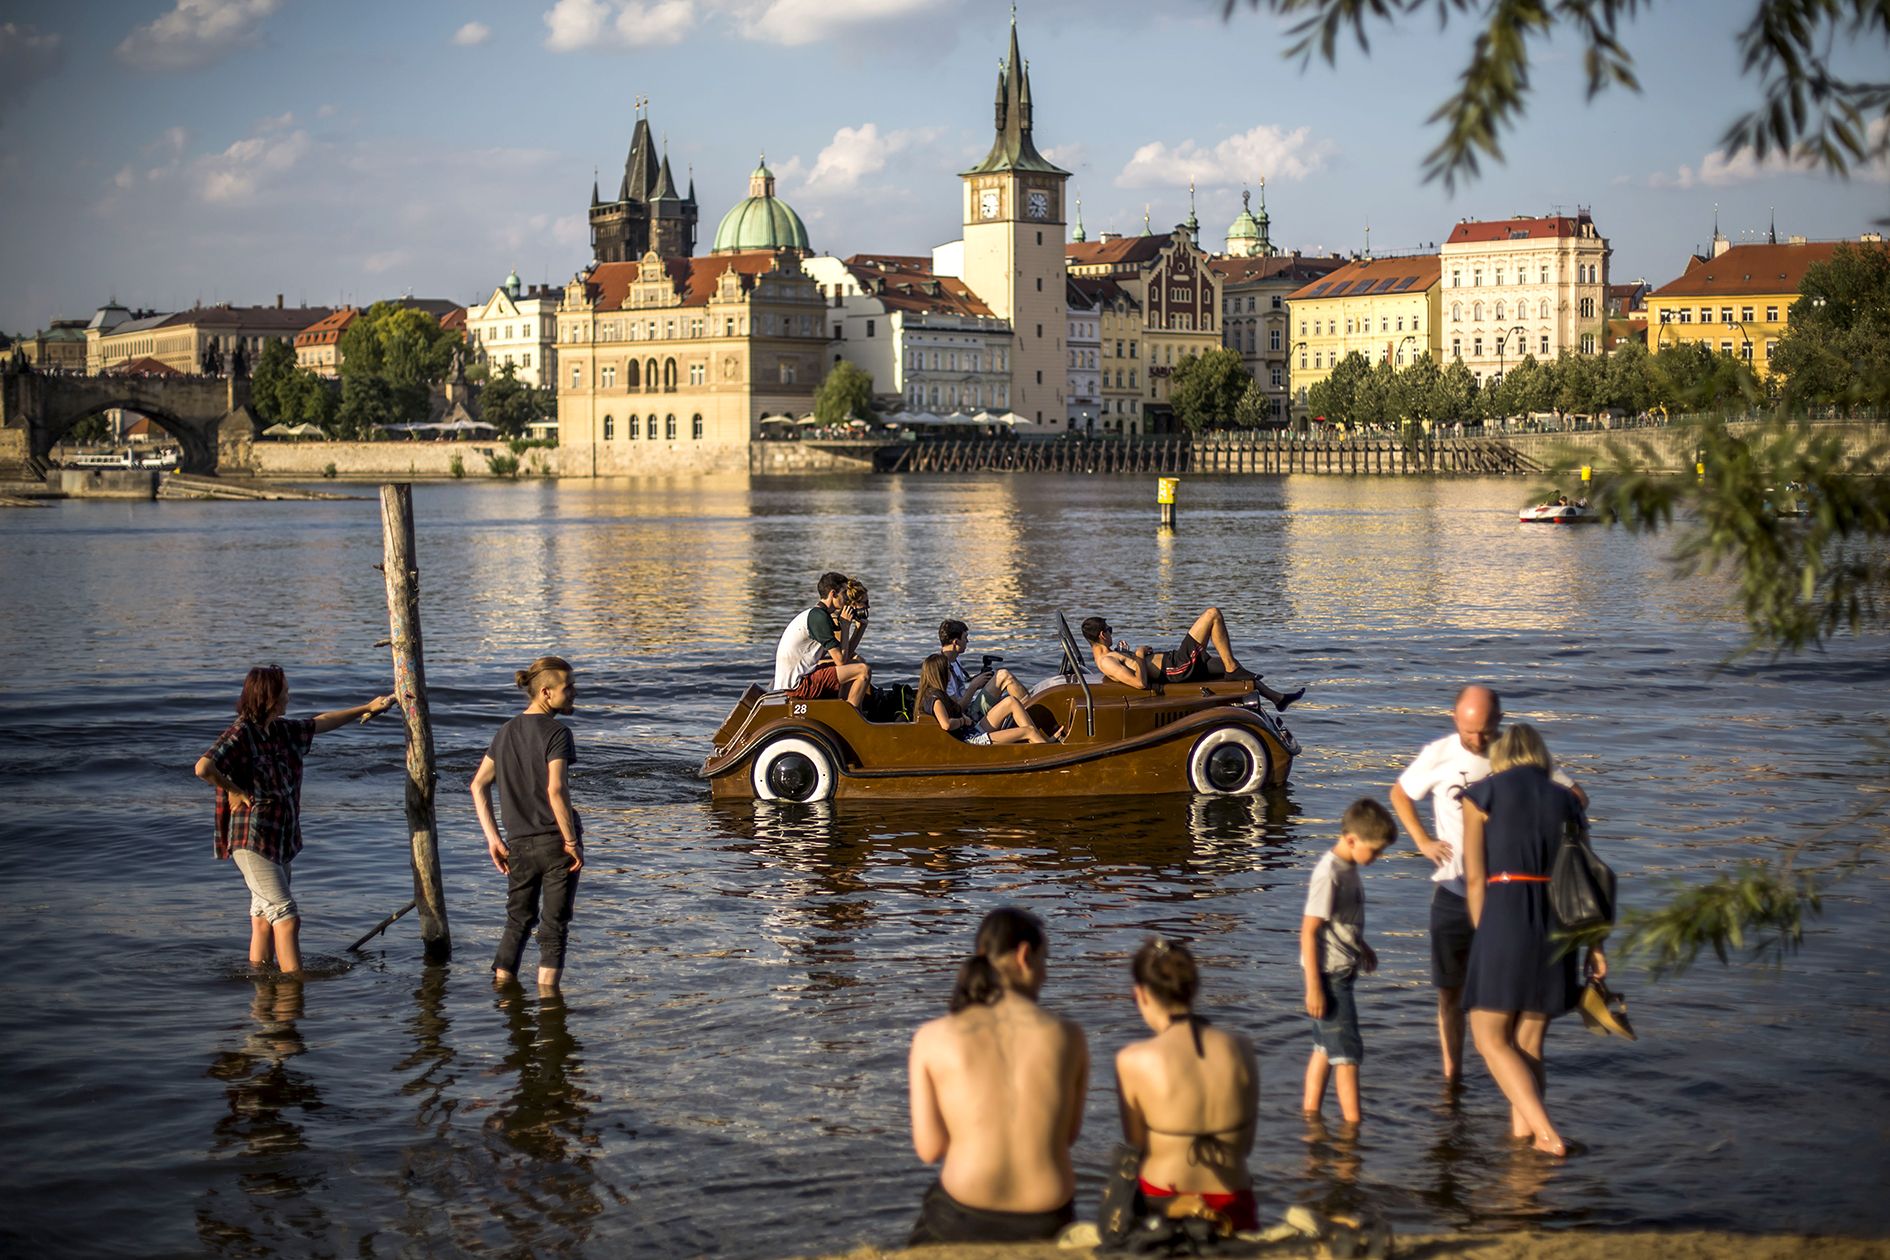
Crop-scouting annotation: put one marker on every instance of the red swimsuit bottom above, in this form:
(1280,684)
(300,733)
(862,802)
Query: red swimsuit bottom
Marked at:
(1238,1205)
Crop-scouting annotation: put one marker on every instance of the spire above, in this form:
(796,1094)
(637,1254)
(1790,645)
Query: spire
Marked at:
(1192,223)
(639,169)
(665,182)
(1368,240)
(1771,233)
(1079,235)
(594,198)
(1013,149)
(691,198)
(1145,219)
(1263,199)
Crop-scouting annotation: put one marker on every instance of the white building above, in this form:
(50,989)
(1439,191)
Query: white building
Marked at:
(517,326)
(1083,390)
(927,341)
(1528,286)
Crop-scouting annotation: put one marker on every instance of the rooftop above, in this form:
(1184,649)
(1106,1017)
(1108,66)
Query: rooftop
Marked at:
(1521,228)
(1750,269)
(1277,267)
(1374,277)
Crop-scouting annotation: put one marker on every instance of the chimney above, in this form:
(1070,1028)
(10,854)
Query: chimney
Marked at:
(278,301)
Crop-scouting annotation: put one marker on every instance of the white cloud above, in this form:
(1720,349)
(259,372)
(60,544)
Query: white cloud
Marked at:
(235,175)
(600,25)
(1263,152)
(195,33)
(1073,156)
(795,22)
(472,34)
(855,153)
(277,122)
(1717,170)
(26,57)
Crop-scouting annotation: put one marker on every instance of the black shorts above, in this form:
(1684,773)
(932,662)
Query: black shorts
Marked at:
(943,1219)
(1187,663)
(1450,938)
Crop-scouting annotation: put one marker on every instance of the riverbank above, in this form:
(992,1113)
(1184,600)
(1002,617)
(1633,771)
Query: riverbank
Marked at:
(1523,1245)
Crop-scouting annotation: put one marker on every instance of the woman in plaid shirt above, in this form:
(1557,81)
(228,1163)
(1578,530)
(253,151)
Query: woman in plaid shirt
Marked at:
(256,768)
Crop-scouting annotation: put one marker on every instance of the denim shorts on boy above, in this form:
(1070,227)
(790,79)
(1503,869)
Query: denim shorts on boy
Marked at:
(1451,933)
(269,896)
(1336,1036)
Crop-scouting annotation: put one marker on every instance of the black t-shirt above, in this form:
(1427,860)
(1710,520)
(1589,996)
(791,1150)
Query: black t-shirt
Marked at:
(520,752)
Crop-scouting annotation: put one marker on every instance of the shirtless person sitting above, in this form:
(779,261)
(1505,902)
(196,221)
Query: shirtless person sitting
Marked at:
(816,658)
(1149,670)
(997,1090)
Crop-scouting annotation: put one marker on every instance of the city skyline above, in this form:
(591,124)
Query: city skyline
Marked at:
(175,151)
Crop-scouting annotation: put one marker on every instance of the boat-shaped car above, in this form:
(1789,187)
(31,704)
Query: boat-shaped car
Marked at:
(1211,737)
(1558,514)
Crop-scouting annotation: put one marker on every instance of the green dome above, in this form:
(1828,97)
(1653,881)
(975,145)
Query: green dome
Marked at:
(761,220)
(1245,228)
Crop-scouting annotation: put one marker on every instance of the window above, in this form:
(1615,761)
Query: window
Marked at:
(650,430)
(1706,314)
(1276,377)
(870,325)
(698,373)
(577,375)
(1276,301)
(1745,314)
(1545,343)
(1400,323)
(1499,309)
(729,327)
(1318,359)
(669,427)
(1273,340)
(1542,311)
(526,361)
(631,380)
(695,427)
(1040,282)
(1456,279)
(1769,343)
(1456,312)
(636,428)
(1545,274)
(1302,360)
(838,332)
(1745,351)
(1725,315)
(649,375)
(1040,332)
(1725,347)
(1476,312)
(1456,348)
(1476,279)
(1498,280)
(610,377)
(787,372)
(1040,378)
(1588,343)
(610,429)
(1476,347)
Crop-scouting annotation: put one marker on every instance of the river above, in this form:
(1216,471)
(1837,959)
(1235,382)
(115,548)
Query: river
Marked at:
(725,1072)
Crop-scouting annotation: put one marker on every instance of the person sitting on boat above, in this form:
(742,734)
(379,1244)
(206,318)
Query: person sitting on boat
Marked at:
(817,658)
(1148,669)
(977,694)
(996,1092)
(936,702)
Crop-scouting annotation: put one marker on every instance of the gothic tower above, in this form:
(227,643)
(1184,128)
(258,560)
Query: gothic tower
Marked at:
(647,213)
(1014,245)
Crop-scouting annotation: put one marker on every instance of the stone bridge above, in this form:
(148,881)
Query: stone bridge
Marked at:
(208,415)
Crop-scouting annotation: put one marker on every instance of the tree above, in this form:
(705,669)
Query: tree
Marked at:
(1627,379)
(1577,382)
(847,392)
(367,400)
(274,368)
(305,398)
(1254,410)
(1418,389)
(404,348)
(510,406)
(1205,389)
(1836,347)
(1336,397)
(1455,397)
(1806,107)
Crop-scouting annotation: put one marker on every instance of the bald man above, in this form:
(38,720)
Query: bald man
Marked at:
(1441,772)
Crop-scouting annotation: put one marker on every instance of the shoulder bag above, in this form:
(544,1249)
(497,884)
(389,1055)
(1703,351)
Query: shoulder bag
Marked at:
(1581,886)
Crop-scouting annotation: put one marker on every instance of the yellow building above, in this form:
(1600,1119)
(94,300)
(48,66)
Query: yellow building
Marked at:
(1387,309)
(1178,297)
(1121,385)
(1736,300)
(187,340)
(670,365)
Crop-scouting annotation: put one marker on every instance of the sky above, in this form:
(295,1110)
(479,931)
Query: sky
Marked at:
(166,152)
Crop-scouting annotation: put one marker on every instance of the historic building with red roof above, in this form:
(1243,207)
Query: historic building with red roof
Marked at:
(1528,286)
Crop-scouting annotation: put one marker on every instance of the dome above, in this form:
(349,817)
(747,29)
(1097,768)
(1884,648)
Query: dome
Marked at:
(1245,227)
(761,220)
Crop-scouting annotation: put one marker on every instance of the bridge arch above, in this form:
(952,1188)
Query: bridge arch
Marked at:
(194,410)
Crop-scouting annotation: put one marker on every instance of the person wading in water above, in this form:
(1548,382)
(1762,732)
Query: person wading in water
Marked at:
(997,1090)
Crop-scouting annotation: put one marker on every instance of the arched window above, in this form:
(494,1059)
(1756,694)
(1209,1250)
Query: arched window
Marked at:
(610,429)
(1499,310)
(1476,311)
(1543,311)
(652,431)
(669,378)
(649,375)
(636,428)
(695,428)
(630,375)
(669,428)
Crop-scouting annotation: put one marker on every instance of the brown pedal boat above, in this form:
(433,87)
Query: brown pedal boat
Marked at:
(1210,737)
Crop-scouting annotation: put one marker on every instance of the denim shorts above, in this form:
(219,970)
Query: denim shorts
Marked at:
(1336,1036)
(269,896)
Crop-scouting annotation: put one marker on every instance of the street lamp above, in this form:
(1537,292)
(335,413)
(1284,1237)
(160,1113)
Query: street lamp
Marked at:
(1412,338)
(1291,404)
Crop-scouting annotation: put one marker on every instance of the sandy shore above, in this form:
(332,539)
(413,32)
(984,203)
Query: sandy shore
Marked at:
(1535,1245)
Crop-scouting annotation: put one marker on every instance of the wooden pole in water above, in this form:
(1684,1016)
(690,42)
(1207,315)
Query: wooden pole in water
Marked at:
(410,685)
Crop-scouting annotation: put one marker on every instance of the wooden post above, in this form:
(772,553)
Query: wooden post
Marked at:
(410,685)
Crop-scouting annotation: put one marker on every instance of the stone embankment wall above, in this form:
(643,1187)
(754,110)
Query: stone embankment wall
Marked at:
(107,483)
(306,461)
(811,457)
(1671,449)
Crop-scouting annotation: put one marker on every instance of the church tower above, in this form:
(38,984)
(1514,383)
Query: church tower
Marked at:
(1014,246)
(647,213)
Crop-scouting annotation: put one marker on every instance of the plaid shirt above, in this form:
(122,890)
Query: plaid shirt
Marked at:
(266,762)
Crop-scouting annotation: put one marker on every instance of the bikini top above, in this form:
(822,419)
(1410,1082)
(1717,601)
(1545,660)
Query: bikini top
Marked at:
(1212,1138)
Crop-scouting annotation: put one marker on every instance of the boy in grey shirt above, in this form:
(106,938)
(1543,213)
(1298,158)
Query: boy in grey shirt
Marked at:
(1332,951)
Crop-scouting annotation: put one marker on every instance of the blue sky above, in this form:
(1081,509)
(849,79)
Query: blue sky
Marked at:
(166,151)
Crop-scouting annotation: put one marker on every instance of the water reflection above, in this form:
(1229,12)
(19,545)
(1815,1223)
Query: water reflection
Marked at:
(1333,1164)
(260,1134)
(540,1136)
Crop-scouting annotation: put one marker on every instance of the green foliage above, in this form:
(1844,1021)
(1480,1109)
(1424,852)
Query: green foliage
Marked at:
(1760,911)
(456,466)
(1205,389)
(1336,397)
(519,445)
(1805,107)
(88,431)
(846,394)
(1252,411)
(510,406)
(502,465)
(1798,580)
(329,470)
(1836,349)
(367,401)
(405,350)
(275,366)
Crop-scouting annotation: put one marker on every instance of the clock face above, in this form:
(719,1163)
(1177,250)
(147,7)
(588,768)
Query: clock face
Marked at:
(1040,205)
(988,203)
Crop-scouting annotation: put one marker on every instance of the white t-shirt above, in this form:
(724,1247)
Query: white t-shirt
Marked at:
(1442,771)
(804,645)
(1337,895)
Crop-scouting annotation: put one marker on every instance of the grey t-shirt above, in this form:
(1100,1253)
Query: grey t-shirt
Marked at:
(520,752)
(1337,895)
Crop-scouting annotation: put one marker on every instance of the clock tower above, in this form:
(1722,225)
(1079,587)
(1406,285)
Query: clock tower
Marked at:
(1014,246)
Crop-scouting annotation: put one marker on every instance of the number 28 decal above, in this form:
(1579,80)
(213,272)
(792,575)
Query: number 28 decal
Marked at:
(800,710)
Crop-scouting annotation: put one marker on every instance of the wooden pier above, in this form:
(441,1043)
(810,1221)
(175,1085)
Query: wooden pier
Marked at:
(1269,452)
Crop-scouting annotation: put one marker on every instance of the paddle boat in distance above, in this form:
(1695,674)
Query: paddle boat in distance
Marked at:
(1211,737)
(1559,513)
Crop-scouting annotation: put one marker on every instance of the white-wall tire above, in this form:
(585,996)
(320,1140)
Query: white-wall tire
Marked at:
(794,770)
(1210,774)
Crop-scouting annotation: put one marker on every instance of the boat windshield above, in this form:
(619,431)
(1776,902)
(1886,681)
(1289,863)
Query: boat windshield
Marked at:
(1073,666)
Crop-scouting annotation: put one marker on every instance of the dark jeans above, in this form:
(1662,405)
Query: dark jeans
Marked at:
(540,871)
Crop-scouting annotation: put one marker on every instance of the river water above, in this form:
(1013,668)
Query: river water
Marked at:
(725,1072)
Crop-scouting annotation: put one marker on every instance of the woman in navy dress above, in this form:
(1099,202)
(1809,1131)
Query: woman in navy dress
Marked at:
(1513,822)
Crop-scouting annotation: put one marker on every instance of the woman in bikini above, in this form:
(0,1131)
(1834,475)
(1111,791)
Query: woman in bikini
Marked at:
(934,699)
(1189,1094)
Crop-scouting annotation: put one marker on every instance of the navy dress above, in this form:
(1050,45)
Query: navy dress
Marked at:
(1513,966)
